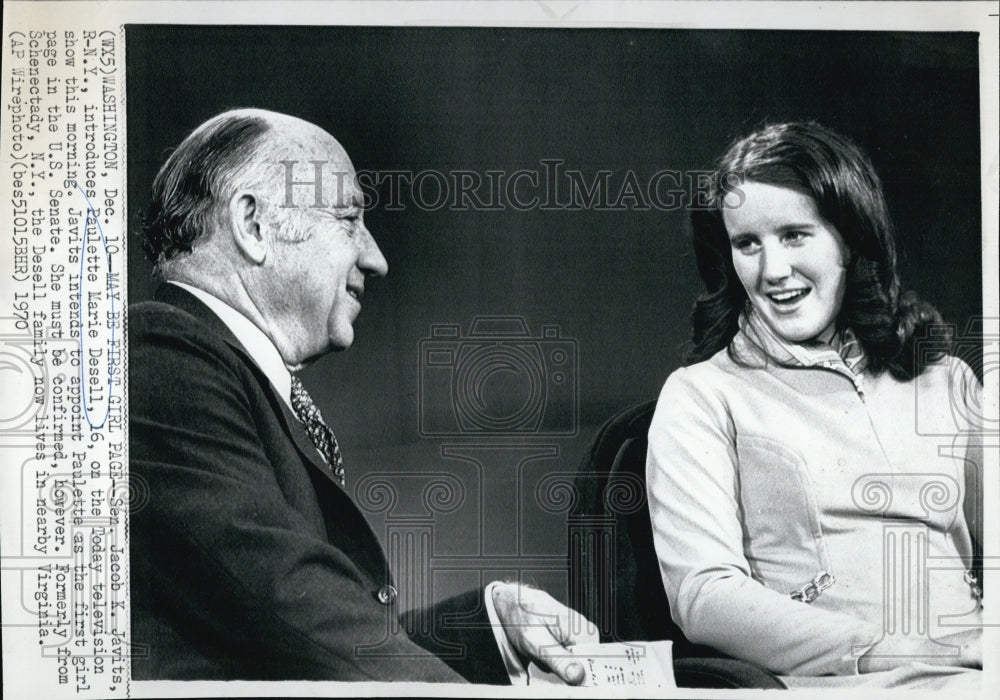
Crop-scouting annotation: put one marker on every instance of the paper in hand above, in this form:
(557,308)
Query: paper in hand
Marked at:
(617,665)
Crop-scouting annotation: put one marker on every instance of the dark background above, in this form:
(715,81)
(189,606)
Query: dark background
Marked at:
(620,284)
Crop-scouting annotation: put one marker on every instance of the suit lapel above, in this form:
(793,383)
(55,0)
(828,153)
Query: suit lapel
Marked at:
(184,300)
(370,556)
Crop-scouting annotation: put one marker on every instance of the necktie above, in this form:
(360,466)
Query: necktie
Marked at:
(317,429)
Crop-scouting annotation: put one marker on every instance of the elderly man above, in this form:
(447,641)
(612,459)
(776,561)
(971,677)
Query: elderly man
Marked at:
(250,560)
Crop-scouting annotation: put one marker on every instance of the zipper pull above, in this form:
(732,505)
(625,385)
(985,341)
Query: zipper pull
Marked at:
(812,590)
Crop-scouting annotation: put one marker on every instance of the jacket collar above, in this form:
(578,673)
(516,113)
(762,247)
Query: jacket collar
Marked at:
(185,301)
(843,354)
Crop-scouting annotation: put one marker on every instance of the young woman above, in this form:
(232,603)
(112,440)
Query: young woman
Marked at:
(809,470)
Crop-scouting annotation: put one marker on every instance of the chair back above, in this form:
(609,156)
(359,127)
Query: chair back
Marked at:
(614,573)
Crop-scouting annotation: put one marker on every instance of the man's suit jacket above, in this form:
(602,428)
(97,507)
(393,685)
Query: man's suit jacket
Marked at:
(248,559)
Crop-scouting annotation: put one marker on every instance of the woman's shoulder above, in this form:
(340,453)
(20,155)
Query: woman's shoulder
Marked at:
(950,372)
(701,383)
(690,374)
(719,368)
(947,394)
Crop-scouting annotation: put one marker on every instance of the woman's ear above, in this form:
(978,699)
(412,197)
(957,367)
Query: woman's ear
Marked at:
(248,234)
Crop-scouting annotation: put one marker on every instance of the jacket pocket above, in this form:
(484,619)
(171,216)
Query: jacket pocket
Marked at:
(782,537)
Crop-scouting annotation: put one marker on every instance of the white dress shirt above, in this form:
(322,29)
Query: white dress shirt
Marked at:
(256,342)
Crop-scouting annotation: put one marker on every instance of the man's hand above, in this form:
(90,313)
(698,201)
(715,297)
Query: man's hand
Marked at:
(541,628)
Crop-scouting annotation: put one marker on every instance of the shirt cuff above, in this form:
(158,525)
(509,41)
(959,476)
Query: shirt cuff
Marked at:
(515,669)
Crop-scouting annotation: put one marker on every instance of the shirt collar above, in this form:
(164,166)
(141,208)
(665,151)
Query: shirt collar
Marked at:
(252,338)
(843,354)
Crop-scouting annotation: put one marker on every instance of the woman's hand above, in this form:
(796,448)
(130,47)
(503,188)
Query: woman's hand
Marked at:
(895,651)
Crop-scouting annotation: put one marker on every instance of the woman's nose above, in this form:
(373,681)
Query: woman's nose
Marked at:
(776,264)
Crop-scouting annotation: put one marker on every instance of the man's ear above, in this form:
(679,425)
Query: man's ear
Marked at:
(248,234)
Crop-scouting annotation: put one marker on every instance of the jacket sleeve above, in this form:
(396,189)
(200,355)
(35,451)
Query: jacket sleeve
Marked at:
(966,394)
(698,534)
(228,562)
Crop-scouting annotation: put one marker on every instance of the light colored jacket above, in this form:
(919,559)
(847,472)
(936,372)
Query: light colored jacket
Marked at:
(763,480)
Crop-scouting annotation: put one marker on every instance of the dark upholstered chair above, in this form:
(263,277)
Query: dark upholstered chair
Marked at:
(614,574)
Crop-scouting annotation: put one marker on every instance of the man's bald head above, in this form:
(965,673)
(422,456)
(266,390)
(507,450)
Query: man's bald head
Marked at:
(235,150)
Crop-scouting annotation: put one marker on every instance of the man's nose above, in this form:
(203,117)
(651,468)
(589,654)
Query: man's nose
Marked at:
(371,260)
(776,263)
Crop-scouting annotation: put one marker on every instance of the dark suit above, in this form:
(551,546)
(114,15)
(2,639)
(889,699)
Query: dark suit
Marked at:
(248,559)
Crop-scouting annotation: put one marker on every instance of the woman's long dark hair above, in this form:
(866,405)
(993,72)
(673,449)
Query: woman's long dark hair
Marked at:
(840,178)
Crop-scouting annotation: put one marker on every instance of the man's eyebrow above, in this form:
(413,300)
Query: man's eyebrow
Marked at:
(346,209)
(355,203)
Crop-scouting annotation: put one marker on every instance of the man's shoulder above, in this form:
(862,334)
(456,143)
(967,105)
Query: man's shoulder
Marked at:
(159,329)
(158,317)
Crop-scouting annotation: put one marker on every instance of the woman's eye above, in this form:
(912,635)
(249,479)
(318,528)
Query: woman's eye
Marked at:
(794,236)
(746,245)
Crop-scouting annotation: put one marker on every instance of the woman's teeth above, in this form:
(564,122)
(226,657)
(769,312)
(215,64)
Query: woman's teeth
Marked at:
(787,297)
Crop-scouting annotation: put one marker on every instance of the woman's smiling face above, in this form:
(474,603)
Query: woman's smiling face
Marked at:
(791,261)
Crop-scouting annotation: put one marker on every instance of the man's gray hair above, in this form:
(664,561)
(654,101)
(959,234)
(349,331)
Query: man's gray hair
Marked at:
(200,176)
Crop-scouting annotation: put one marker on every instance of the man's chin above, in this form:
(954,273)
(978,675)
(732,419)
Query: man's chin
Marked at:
(310,359)
(341,341)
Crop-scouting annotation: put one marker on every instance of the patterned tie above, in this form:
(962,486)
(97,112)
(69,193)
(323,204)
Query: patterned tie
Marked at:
(319,432)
